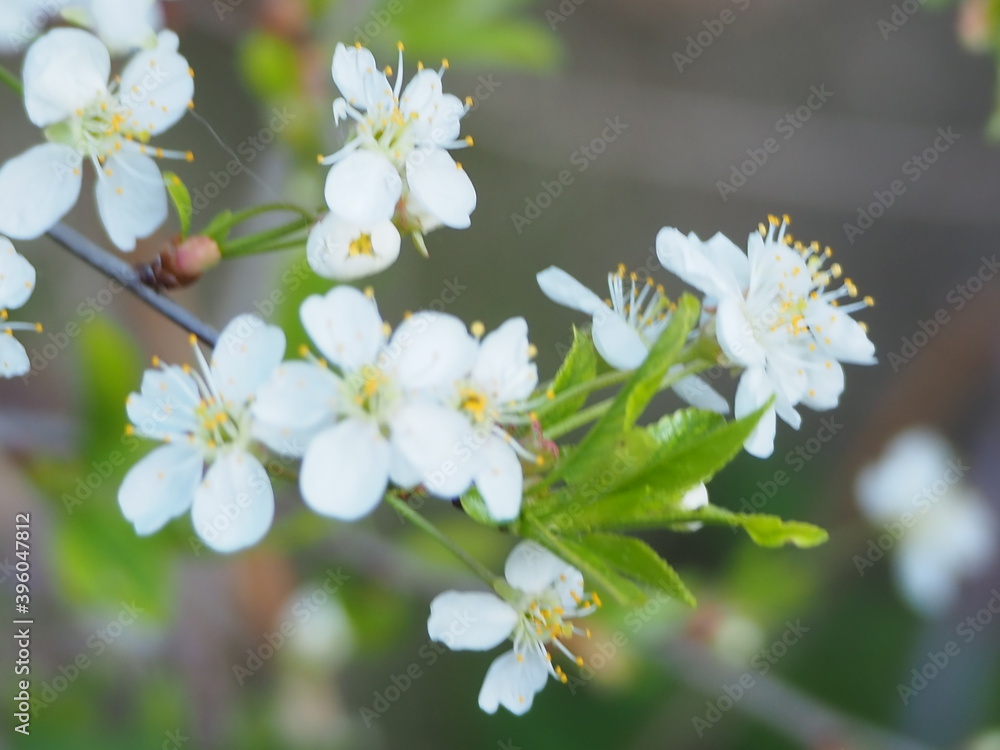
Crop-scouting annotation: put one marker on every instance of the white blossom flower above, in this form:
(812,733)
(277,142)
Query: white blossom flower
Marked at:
(396,161)
(549,594)
(17,282)
(941,530)
(66,92)
(775,316)
(205,421)
(123,25)
(380,418)
(626,325)
(502,376)
(338,249)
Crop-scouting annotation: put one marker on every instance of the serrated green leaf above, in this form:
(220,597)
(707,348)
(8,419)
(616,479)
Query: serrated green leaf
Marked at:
(765,530)
(181,198)
(579,366)
(637,560)
(633,398)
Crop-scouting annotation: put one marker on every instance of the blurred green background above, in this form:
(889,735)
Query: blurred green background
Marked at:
(317,638)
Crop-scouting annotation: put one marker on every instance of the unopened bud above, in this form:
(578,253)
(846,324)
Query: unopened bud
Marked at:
(181,265)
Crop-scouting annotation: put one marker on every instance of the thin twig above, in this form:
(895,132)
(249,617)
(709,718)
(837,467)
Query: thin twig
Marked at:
(100,259)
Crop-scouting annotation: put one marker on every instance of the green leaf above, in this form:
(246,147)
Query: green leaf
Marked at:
(270,65)
(219,227)
(764,530)
(637,560)
(633,398)
(579,366)
(181,198)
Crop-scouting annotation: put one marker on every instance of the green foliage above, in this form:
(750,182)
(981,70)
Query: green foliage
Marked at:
(579,367)
(181,199)
(270,66)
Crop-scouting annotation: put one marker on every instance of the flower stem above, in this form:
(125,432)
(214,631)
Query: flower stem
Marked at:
(257,243)
(544,403)
(426,526)
(11,80)
(100,259)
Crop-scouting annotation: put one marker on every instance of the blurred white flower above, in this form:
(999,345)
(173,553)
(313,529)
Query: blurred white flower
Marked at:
(626,325)
(17,282)
(338,249)
(775,316)
(123,25)
(943,530)
(396,161)
(550,594)
(381,417)
(66,92)
(205,421)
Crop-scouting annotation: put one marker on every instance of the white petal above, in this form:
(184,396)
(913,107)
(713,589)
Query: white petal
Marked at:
(64,71)
(696,497)
(503,367)
(435,441)
(842,337)
(499,479)
(912,462)
(699,394)
(345,326)
(13,358)
(735,332)
(131,198)
(298,395)
(432,350)
(17,277)
(723,254)
(363,188)
(441,186)
(345,470)
(826,383)
(37,189)
(564,290)
(160,487)
(125,25)
(337,249)
(753,392)
(617,342)
(532,569)
(247,353)
(421,96)
(351,66)
(470,621)
(234,505)
(157,86)
(512,681)
(166,405)
(685,257)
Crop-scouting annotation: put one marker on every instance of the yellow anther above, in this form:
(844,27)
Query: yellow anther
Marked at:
(458,164)
(579,661)
(156,361)
(129,429)
(470,140)
(469,101)
(388,70)
(189,156)
(369,292)
(869,300)
(532,351)
(850,287)
(38,328)
(477,329)
(445,64)
(550,394)
(786,218)
(192,339)
(836,270)
(399,46)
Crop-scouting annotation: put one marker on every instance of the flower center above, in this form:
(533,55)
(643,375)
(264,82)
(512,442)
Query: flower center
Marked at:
(361,246)
(644,305)
(371,392)
(475,403)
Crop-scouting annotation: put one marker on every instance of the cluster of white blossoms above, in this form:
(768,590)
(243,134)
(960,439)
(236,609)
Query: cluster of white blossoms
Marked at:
(204,420)
(546,595)
(425,406)
(86,118)
(776,317)
(394,175)
(17,282)
(941,531)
